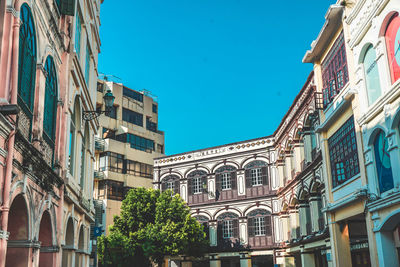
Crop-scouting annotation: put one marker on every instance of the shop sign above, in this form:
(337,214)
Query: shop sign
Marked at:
(359,246)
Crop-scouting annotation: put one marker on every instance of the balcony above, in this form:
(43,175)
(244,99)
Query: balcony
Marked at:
(99,144)
(99,175)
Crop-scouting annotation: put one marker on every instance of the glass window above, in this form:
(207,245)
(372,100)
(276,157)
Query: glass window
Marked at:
(87,64)
(137,142)
(383,165)
(132,117)
(371,76)
(171,185)
(259,226)
(155,108)
(132,94)
(150,125)
(139,169)
(112,162)
(343,153)
(256,177)
(71,150)
(392,37)
(226,181)
(78,29)
(50,106)
(334,70)
(227,229)
(26,61)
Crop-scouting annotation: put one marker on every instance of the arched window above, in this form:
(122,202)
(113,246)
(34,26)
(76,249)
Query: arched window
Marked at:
(170,182)
(27,63)
(228,226)
(392,37)
(225,178)
(259,223)
(383,165)
(50,102)
(203,220)
(196,180)
(256,173)
(371,75)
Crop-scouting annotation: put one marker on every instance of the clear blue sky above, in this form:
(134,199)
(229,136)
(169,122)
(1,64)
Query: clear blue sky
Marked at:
(223,70)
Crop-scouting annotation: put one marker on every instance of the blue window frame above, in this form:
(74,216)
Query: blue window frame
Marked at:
(383,165)
(27,62)
(50,102)
(78,29)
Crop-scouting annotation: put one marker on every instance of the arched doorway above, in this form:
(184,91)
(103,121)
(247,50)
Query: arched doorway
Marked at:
(387,239)
(68,249)
(46,242)
(80,256)
(18,247)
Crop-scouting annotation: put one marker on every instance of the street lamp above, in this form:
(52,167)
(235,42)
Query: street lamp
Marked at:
(108,101)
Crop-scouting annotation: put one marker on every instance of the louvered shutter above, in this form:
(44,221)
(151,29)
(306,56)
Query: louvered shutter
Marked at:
(248,178)
(268,225)
(250,226)
(190,186)
(204,181)
(235,223)
(177,186)
(233,179)
(264,173)
(218,182)
(220,238)
(67,7)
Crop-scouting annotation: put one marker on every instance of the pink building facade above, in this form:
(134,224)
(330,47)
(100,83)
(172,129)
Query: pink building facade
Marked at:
(44,218)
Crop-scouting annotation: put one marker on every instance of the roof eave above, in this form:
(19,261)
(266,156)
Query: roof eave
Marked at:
(333,19)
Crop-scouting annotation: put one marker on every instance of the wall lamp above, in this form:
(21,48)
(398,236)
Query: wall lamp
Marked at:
(108,101)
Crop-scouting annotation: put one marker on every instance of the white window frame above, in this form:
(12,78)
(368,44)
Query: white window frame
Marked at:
(226,183)
(171,185)
(227,229)
(256,177)
(197,188)
(259,226)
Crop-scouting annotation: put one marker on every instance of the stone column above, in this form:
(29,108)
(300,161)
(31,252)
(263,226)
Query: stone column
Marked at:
(245,260)
(215,260)
(294,222)
(284,219)
(243,230)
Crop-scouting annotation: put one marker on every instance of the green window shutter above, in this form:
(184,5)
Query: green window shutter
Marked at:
(67,7)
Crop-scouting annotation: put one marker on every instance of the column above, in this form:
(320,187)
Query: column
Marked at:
(211,187)
(241,183)
(245,260)
(340,243)
(215,260)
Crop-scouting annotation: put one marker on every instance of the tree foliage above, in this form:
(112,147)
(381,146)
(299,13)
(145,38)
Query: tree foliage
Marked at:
(151,225)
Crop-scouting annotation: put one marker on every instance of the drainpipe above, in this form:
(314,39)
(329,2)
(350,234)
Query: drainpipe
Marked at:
(10,144)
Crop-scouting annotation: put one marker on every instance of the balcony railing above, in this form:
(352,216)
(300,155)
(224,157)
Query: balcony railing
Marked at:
(98,175)
(99,144)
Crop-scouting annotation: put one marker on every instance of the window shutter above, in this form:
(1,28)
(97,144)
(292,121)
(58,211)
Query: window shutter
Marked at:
(235,228)
(163,185)
(218,182)
(204,181)
(190,186)
(268,225)
(67,7)
(250,226)
(264,173)
(233,179)
(219,234)
(248,178)
(177,186)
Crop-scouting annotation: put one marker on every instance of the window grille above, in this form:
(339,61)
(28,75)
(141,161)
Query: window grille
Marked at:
(343,153)
(259,226)
(197,188)
(227,229)
(334,70)
(256,173)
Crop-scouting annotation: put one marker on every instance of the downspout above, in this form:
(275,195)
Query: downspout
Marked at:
(10,144)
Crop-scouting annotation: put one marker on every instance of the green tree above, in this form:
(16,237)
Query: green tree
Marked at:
(151,225)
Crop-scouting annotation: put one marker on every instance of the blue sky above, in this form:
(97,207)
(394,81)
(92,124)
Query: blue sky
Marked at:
(223,70)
